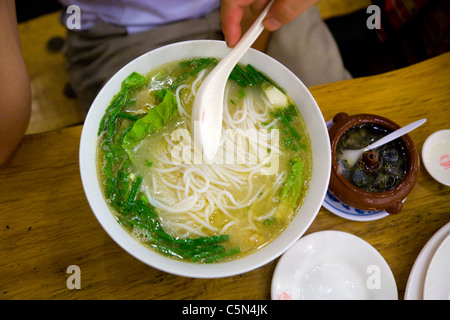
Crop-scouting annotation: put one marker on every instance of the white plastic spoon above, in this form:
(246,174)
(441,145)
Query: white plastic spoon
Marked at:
(208,102)
(353,155)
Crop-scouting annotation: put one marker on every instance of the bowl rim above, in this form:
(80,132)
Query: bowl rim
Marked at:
(311,204)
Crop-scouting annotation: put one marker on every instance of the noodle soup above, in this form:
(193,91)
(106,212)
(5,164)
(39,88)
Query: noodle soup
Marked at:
(163,192)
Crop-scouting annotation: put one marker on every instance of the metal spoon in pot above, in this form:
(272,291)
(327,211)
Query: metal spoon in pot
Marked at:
(353,155)
(207,111)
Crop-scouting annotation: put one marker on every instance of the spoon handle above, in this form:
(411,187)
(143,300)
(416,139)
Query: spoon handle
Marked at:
(396,134)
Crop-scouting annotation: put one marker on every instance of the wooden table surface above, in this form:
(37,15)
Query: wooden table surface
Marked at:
(46,224)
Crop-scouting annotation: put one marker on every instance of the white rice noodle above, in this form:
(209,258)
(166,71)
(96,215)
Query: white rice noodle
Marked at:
(189,196)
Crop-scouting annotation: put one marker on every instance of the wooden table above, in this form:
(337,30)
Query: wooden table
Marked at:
(46,224)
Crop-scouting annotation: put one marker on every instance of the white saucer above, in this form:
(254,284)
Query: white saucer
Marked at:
(436,156)
(333,265)
(437,279)
(336,206)
(415,285)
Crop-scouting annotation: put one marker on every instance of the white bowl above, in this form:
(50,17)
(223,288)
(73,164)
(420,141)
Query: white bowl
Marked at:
(436,156)
(321,155)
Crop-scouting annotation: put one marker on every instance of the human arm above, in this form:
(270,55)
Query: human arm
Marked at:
(15,91)
(281,12)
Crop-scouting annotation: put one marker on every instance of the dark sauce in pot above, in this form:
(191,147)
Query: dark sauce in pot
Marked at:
(390,165)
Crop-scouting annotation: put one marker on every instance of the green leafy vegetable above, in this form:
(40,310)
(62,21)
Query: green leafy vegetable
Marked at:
(156,118)
(260,78)
(202,249)
(127,116)
(148,163)
(240,76)
(196,65)
(250,76)
(287,115)
(201,66)
(241,93)
(133,82)
(294,182)
(177,82)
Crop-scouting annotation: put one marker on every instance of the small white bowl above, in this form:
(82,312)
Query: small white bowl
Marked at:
(436,156)
(321,155)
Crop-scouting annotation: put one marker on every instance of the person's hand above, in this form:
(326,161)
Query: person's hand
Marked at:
(281,12)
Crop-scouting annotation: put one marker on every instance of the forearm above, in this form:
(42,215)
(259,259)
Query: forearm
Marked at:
(15,92)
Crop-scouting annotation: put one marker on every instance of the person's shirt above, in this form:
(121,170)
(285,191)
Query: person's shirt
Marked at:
(139,15)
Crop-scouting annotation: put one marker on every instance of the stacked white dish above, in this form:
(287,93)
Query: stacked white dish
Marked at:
(430,275)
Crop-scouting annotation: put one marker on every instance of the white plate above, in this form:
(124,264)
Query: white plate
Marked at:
(437,279)
(415,285)
(333,265)
(436,156)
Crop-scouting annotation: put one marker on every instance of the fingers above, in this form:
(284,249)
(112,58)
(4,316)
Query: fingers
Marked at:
(231,13)
(258,6)
(281,12)
(284,11)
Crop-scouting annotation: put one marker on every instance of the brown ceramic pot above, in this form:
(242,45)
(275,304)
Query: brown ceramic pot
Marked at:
(391,200)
